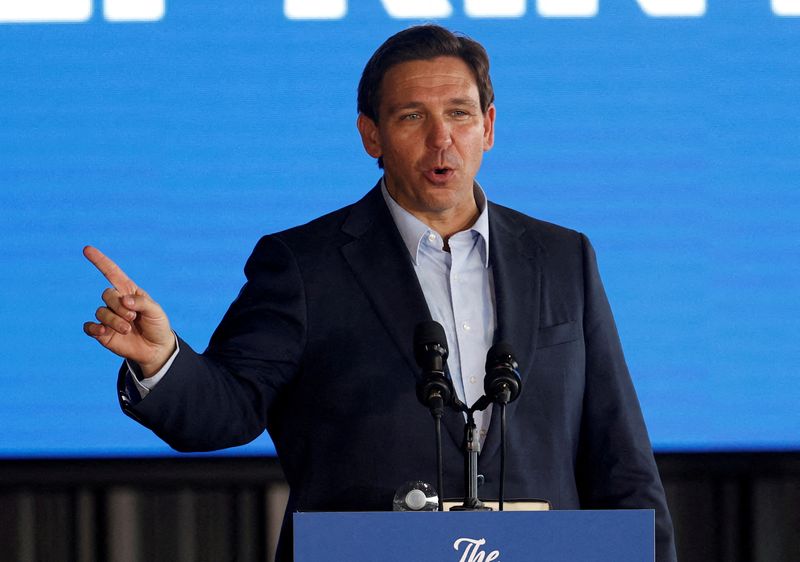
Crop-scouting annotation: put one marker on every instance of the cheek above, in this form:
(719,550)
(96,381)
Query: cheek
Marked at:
(474,152)
(399,153)
(400,139)
(473,141)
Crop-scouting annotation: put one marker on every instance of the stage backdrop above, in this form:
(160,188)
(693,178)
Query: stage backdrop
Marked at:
(173,136)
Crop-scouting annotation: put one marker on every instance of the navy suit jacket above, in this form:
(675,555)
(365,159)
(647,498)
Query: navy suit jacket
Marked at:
(317,348)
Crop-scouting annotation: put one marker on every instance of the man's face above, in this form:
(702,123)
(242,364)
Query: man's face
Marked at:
(432,135)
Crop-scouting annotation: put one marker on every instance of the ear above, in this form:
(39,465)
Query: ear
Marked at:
(488,128)
(370,136)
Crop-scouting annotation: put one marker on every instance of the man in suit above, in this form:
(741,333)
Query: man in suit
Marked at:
(317,346)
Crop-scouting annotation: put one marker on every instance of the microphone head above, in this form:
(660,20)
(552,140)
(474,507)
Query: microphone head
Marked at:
(430,342)
(502,382)
(430,351)
(500,353)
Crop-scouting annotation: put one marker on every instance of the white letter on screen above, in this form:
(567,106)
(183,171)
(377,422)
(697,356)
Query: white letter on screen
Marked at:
(25,11)
(673,8)
(567,8)
(133,10)
(314,9)
(786,7)
(495,8)
(403,9)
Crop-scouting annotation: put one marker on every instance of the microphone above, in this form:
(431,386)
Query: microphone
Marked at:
(434,389)
(502,383)
(430,351)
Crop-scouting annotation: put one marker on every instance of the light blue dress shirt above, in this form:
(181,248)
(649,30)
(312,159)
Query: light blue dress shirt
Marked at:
(458,287)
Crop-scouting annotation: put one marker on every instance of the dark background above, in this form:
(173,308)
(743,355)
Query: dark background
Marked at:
(725,507)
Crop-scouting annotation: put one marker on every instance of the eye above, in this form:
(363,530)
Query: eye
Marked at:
(410,117)
(460,114)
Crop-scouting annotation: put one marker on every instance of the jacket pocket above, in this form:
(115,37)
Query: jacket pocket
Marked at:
(558,334)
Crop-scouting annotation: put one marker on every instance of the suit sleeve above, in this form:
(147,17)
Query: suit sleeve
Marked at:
(221,398)
(616,468)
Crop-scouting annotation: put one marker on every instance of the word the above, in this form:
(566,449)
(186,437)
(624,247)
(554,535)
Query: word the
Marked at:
(473,552)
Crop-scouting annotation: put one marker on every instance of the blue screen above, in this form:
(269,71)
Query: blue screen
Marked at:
(172,136)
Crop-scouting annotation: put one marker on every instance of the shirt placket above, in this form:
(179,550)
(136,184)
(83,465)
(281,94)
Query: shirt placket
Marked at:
(466,321)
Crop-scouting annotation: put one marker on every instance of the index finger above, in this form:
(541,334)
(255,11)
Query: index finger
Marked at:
(110,270)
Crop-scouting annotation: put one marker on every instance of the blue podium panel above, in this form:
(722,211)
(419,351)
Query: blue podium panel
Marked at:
(586,536)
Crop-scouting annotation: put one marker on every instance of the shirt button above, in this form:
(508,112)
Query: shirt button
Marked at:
(466,326)
(431,237)
(455,277)
(472,380)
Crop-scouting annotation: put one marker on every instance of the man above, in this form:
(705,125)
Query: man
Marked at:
(317,346)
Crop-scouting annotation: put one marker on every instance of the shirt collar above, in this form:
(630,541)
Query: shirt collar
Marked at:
(412,229)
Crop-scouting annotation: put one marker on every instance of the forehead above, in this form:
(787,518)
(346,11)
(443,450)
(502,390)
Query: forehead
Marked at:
(427,79)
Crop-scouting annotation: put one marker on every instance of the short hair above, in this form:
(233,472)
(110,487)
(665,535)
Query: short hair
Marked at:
(422,42)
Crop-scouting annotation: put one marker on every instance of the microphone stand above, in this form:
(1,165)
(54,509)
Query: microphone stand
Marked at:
(437,410)
(502,455)
(472,446)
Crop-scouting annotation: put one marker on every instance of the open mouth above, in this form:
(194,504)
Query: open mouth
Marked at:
(439,175)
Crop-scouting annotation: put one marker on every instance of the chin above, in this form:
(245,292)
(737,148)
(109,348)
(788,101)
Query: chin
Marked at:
(441,202)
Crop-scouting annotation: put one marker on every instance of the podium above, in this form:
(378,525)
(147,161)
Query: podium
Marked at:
(552,536)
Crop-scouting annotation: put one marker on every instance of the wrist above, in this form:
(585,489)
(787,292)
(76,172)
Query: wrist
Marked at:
(152,368)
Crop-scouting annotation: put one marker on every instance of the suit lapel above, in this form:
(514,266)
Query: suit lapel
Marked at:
(383,268)
(514,256)
(380,262)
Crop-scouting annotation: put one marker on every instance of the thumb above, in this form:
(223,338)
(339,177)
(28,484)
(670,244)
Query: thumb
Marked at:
(142,304)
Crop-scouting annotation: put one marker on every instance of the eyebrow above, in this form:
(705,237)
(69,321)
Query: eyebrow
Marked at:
(418,104)
(463,101)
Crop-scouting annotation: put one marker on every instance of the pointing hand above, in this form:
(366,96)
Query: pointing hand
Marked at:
(131,324)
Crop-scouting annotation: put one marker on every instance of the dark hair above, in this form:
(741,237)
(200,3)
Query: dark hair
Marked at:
(422,42)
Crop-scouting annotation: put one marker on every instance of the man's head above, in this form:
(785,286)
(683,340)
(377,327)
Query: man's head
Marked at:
(426,114)
(422,42)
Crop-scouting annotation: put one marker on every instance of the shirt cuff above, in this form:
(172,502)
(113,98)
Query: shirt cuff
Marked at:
(144,385)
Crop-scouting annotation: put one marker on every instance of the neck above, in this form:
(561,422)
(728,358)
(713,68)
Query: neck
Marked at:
(446,222)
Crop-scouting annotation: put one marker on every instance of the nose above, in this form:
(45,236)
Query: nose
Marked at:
(439,134)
